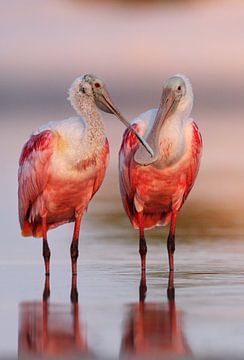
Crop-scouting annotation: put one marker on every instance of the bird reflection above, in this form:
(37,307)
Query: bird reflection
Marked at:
(154,330)
(52,330)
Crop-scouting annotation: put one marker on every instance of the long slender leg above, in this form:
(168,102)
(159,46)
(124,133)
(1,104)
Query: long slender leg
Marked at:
(45,306)
(174,326)
(171,288)
(46,291)
(45,248)
(171,241)
(143,288)
(74,252)
(74,292)
(142,249)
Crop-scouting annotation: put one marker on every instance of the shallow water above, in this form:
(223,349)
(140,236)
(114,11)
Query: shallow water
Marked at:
(115,316)
(206,319)
(208,302)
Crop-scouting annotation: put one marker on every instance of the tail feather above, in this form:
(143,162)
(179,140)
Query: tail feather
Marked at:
(30,229)
(35,229)
(150,220)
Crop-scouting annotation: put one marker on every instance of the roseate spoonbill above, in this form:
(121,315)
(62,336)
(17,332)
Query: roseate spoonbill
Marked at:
(153,189)
(63,164)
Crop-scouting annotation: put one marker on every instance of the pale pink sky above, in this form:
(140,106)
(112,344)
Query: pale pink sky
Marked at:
(53,36)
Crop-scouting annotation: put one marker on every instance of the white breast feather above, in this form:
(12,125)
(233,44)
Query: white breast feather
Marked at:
(75,134)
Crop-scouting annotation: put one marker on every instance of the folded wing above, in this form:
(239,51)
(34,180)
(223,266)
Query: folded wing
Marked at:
(33,176)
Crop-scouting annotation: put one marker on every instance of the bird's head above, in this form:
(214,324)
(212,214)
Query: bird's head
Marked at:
(89,89)
(176,100)
(177,95)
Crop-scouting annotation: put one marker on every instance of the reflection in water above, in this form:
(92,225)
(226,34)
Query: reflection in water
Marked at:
(154,329)
(51,330)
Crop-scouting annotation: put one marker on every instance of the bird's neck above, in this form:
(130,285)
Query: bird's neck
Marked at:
(166,136)
(85,106)
(171,140)
(167,140)
(95,130)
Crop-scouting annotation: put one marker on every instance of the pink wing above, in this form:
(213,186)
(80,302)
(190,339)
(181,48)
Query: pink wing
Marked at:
(129,178)
(33,174)
(103,158)
(194,164)
(128,148)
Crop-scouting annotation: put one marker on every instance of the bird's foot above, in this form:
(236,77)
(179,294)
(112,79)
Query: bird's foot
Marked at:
(74,295)
(143,287)
(74,292)
(171,288)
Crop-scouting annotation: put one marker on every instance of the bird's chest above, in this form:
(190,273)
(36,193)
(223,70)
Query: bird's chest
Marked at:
(171,145)
(152,182)
(76,160)
(155,187)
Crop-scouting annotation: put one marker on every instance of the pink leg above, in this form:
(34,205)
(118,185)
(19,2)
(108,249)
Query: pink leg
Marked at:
(171,241)
(74,252)
(45,248)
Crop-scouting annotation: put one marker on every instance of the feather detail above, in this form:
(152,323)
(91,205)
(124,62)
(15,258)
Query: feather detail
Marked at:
(153,191)
(56,176)
(33,176)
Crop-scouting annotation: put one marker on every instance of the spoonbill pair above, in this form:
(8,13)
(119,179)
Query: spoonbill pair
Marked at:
(153,189)
(63,164)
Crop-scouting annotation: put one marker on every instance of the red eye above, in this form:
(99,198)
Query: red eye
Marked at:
(97,85)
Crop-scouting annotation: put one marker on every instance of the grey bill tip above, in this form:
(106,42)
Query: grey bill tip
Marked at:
(143,142)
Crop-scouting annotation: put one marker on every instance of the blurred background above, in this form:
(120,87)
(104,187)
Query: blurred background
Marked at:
(134,46)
